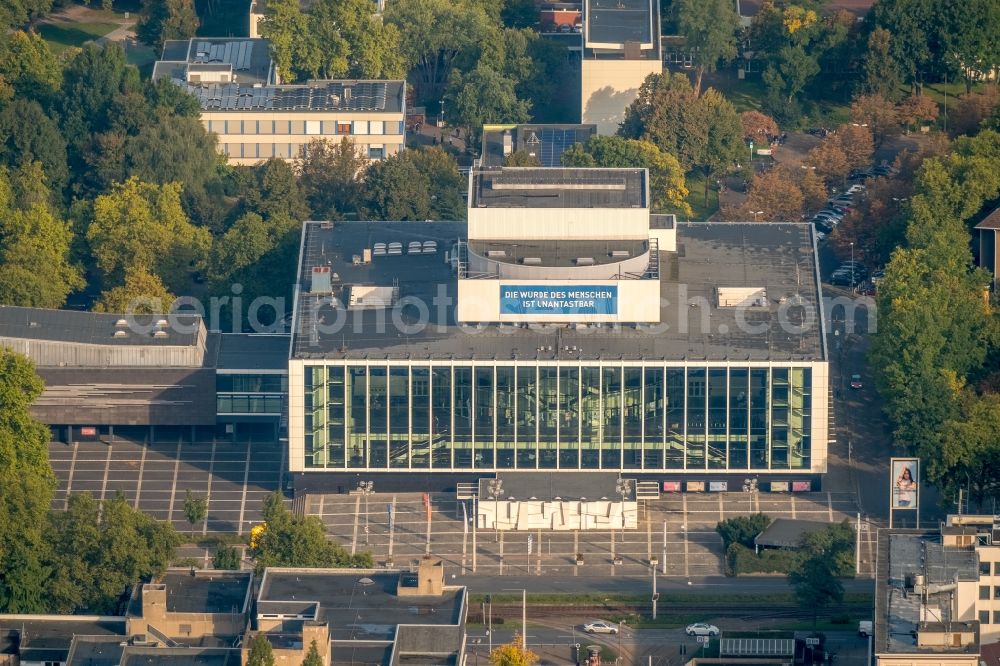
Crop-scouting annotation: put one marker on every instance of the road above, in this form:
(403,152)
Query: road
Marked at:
(492,584)
(556,643)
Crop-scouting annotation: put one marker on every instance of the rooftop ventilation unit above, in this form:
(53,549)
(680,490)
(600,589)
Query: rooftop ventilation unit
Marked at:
(430,247)
(584,261)
(395,249)
(321,280)
(161,323)
(160,334)
(620,253)
(414,248)
(121,323)
(120,334)
(496,253)
(531,261)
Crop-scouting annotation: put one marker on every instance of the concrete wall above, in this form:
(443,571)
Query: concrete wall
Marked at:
(519,224)
(928,660)
(609,86)
(557,516)
(296,416)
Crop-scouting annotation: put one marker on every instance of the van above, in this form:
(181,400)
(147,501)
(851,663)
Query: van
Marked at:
(865,628)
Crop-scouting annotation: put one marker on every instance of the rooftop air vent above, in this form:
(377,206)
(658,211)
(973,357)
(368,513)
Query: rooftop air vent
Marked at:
(120,334)
(620,253)
(121,323)
(161,323)
(160,334)
(531,261)
(496,253)
(584,261)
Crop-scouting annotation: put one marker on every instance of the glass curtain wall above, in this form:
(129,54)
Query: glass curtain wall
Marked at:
(552,417)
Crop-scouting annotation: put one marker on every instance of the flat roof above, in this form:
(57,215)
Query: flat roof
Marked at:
(49,637)
(788,533)
(546,142)
(619,21)
(539,187)
(249,57)
(95,328)
(360,604)
(253,351)
(180,656)
(899,614)
(207,591)
(559,253)
(367,96)
(95,651)
(776,257)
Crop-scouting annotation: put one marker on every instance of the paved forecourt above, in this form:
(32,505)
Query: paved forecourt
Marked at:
(678,530)
(233,474)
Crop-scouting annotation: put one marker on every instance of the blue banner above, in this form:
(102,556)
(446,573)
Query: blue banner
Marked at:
(558,299)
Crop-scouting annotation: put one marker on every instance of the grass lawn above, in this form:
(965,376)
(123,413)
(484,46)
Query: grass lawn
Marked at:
(696,198)
(62,36)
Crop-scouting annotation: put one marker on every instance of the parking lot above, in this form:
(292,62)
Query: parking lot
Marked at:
(678,530)
(233,474)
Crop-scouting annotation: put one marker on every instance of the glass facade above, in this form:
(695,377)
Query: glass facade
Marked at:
(627,417)
(250,393)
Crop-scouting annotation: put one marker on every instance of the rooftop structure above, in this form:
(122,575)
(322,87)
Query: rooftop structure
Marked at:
(777,260)
(533,187)
(385,618)
(244,102)
(934,598)
(47,638)
(546,143)
(622,47)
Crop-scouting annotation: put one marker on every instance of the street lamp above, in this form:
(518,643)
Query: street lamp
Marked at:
(755,213)
(751,153)
(624,488)
(852,265)
(496,491)
(366,488)
(750,487)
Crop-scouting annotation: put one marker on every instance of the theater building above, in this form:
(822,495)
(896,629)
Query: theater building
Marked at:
(562,328)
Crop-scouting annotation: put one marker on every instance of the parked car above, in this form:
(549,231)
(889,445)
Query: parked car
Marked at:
(877,277)
(831,213)
(701,629)
(855,188)
(856,382)
(823,227)
(600,628)
(882,170)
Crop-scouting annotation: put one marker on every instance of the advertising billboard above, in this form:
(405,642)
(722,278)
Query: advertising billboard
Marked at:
(671,486)
(718,486)
(905,479)
(801,486)
(696,486)
(779,486)
(558,299)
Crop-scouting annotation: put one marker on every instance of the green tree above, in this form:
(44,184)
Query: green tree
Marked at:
(881,73)
(915,28)
(666,113)
(438,37)
(100,549)
(167,19)
(724,139)
(835,541)
(742,529)
(261,653)
(483,96)
(970,451)
(195,508)
(29,66)
(15,13)
(226,558)
(141,225)
(292,45)
(141,292)
(352,42)
(35,265)
(816,584)
(274,190)
(414,185)
(26,487)
(292,541)
(522,158)
(330,176)
(971,49)
(788,74)
(312,657)
(245,243)
(710,27)
(665,173)
(27,135)
(514,653)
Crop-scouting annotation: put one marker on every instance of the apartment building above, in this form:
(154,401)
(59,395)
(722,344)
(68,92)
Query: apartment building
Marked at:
(257,118)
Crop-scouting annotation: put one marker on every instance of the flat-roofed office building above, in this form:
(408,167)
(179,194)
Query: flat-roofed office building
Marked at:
(621,47)
(563,327)
(256,119)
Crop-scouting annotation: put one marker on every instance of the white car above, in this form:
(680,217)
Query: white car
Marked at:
(600,628)
(701,629)
(855,188)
